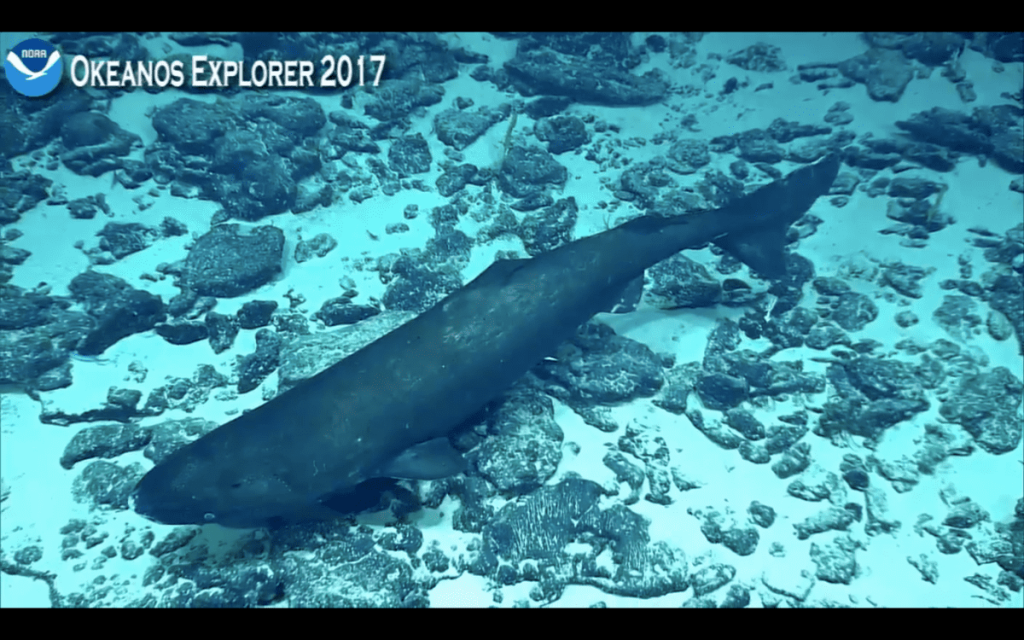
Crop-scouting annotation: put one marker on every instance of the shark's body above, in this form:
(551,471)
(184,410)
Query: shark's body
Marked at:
(386,410)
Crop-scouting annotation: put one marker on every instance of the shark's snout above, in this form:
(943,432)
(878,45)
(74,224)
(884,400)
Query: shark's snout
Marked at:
(156,498)
(141,502)
(139,507)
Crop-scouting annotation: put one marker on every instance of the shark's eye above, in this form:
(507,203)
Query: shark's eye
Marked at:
(258,486)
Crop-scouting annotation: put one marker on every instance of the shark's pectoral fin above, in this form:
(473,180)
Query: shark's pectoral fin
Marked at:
(625,300)
(374,494)
(425,461)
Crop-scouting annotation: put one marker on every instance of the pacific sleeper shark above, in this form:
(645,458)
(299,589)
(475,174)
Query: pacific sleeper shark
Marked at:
(385,411)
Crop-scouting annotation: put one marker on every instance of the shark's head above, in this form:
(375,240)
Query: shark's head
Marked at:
(205,483)
(189,487)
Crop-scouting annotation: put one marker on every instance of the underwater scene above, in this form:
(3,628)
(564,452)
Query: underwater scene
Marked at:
(511,319)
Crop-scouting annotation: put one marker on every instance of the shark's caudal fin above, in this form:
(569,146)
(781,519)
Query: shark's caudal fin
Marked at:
(786,200)
(763,250)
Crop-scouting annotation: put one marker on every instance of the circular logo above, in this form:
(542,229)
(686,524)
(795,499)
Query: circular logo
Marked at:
(33,67)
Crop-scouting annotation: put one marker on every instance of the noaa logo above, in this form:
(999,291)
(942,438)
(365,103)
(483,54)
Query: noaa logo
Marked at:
(33,67)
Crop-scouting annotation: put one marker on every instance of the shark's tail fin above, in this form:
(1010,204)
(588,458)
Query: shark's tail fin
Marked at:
(781,203)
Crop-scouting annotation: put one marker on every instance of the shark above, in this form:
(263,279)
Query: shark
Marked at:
(386,411)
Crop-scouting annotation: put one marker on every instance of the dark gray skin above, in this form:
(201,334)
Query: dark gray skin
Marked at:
(280,462)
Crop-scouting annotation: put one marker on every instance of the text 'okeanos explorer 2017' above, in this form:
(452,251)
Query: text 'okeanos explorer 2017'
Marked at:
(334,73)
